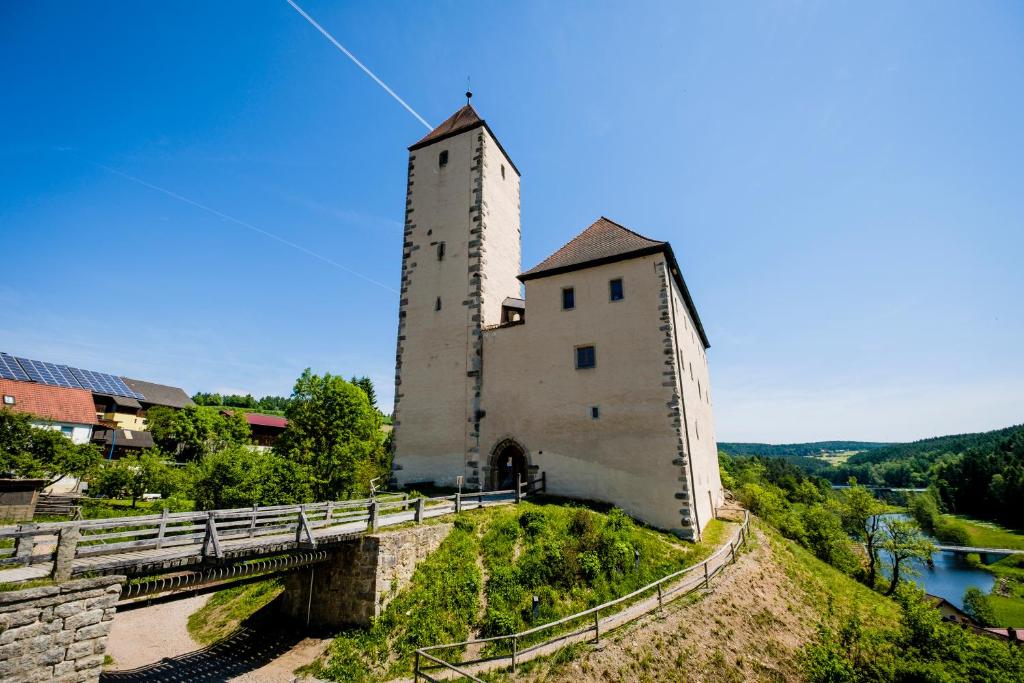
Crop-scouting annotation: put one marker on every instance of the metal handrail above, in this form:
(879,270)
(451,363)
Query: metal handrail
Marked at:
(738,539)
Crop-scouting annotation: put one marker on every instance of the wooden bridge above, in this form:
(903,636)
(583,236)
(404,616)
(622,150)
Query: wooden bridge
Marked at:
(964,549)
(169,542)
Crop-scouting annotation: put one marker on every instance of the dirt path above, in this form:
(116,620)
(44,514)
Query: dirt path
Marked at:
(148,634)
(749,628)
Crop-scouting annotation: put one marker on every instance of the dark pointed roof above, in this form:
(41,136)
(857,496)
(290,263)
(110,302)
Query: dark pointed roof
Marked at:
(606,241)
(462,120)
(459,122)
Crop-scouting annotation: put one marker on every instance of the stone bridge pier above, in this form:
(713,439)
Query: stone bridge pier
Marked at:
(360,578)
(57,633)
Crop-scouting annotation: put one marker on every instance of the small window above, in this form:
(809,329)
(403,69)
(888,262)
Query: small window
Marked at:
(437,304)
(503,171)
(595,412)
(585,357)
(67,431)
(8,400)
(440,251)
(568,299)
(615,289)
(442,159)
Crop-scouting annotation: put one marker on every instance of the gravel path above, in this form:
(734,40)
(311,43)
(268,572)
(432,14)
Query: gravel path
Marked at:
(148,634)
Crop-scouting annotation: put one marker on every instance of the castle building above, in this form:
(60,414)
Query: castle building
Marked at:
(602,384)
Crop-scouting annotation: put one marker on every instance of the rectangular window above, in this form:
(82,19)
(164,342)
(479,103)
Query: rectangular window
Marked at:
(585,357)
(442,159)
(67,431)
(595,412)
(8,400)
(503,171)
(615,289)
(568,299)
(437,304)
(440,251)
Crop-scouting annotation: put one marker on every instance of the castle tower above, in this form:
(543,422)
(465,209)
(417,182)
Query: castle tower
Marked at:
(460,259)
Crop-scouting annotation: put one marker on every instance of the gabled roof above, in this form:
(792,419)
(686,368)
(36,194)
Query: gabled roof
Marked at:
(459,122)
(59,404)
(159,394)
(260,420)
(606,241)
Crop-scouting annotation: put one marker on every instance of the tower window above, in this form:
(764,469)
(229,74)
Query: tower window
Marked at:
(440,251)
(442,159)
(586,357)
(595,412)
(503,171)
(568,299)
(615,289)
(437,304)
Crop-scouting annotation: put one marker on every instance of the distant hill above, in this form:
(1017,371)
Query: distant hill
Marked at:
(800,449)
(935,446)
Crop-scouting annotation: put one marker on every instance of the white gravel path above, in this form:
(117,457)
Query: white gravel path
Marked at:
(148,634)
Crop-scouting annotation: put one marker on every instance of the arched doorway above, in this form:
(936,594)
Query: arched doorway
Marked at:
(508,463)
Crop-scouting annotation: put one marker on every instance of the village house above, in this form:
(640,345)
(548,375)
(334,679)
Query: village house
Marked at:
(596,375)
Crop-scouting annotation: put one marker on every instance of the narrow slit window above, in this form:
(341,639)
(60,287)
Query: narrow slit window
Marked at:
(615,289)
(568,299)
(586,357)
(503,171)
(440,251)
(437,304)
(442,159)
(595,412)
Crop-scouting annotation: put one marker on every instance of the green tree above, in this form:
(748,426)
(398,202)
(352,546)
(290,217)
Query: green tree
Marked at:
(861,514)
(35,452)
(239,476)
(202,398)
(335,433)
(977,604)
(366,384)
(194,431)
(904,542)
(135,475)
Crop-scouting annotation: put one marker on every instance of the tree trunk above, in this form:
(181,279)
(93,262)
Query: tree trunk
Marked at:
(872,561)
(895,576)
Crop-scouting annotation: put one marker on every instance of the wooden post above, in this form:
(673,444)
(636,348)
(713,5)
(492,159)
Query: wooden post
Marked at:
(67,545)
(661,604)
(707,578)
(330,512)
(162,529)
(597,626)
(732,552)
(211,539)
(519,488)
(372,522)
(514,649)
(252,522)
(416,669)
(458,502)
(420,507)
(23,546)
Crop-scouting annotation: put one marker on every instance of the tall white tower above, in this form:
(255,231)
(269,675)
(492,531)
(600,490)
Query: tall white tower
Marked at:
(460,259)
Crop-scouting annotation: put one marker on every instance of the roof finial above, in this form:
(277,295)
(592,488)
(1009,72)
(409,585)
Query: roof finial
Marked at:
(469,91)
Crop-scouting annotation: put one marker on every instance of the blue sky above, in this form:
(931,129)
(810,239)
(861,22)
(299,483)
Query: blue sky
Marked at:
(842,183)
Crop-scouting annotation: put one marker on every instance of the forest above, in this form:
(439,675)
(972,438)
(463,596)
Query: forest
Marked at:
(798,449)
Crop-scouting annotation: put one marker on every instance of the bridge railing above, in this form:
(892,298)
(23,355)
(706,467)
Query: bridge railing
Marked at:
(224,532)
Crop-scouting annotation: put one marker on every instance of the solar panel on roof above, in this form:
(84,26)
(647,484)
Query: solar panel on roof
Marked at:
(102,383)
(49,373)
(10,369)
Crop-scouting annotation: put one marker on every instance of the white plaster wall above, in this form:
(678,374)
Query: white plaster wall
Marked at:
(79,433)
(532,391)
(501,244)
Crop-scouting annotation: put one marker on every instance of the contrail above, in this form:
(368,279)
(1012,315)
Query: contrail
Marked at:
(244,224)
(362,66)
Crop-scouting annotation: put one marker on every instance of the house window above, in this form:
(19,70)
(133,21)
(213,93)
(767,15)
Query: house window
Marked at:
(585,357)
(595,412)
(615,289)
(442,159)
(437,304)
(568,299)
(8,400)
(440,251)
(503,171)
(67,431)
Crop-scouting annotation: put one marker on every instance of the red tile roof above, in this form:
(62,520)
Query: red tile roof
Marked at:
(604,240)
(460,121)
(60,404)
(266,420)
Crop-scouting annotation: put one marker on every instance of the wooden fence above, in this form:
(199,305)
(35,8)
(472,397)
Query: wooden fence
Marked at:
(428,662)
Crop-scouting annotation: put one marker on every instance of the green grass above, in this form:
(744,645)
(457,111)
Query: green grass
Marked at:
(228,609)
(989,534)
(1009,611)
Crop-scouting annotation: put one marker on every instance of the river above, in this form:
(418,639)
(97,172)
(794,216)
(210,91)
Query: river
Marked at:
(949,577)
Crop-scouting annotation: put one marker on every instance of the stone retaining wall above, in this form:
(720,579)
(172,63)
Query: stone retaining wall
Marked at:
(57,633)
(361,577)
